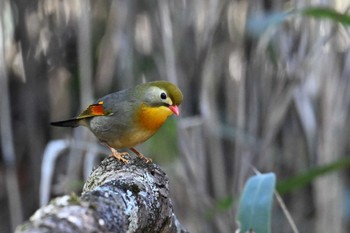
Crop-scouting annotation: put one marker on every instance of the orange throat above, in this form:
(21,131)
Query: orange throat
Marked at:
(152,118)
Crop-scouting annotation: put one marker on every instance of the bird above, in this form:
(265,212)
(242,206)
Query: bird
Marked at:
(126,118)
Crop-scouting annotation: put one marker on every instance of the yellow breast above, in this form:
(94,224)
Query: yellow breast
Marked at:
(152,118)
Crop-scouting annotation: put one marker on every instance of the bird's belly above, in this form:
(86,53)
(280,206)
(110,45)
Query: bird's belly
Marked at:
(118,135)
(130,139)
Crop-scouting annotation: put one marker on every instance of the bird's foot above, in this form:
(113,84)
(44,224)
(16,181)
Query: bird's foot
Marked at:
(120,155)
(148,160)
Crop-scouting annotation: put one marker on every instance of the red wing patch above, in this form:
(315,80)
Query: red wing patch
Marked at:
(93,110)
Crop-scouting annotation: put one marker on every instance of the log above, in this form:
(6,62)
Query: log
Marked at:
(117,197)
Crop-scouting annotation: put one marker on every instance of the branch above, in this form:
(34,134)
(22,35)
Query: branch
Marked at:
(117,197)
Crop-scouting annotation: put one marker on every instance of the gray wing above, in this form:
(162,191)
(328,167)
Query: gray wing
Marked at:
(120,109)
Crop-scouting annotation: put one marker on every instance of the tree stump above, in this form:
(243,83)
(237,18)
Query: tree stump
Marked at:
(117,197)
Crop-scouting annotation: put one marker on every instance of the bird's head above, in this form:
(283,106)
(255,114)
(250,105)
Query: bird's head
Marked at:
(162,93)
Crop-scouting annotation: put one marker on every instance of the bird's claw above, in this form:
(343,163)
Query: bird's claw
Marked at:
(120,156)
(141,156)
(147,160)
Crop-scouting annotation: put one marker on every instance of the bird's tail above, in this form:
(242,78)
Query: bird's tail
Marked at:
(67,123)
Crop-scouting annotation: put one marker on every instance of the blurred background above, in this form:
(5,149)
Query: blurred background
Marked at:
(263,87)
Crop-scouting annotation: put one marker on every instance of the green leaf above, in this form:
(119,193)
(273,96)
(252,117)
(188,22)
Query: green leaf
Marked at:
(224,204)
(220,206)
(299,181)
(326,13)
(254,212)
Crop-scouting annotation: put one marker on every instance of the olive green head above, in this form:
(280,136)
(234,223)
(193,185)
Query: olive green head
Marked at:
(160,93)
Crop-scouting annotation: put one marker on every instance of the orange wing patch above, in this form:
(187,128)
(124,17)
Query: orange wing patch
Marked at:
(93,110)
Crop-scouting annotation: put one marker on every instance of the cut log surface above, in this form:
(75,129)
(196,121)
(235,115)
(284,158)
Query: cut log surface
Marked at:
(117,197)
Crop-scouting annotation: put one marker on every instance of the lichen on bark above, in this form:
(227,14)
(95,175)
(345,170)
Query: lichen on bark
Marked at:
(117,197)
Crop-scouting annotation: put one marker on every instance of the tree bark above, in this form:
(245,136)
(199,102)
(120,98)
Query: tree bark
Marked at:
(117,197)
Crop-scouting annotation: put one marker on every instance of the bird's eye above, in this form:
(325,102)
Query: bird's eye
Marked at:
(163,96)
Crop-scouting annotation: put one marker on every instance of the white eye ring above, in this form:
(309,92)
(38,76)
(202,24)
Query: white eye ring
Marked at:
(163,95)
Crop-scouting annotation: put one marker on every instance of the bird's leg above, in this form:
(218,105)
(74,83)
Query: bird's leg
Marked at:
(148,160)
(119,155)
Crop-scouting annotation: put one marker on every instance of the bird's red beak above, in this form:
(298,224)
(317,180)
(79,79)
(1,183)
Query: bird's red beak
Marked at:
(175,109)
